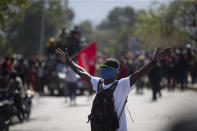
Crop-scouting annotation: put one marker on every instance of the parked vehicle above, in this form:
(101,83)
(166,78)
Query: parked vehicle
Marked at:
(56,83)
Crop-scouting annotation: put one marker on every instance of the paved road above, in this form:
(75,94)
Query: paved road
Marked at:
(53,114)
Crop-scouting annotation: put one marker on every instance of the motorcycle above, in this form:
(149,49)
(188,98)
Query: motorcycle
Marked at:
(17,106)
(5,106)
(27,103)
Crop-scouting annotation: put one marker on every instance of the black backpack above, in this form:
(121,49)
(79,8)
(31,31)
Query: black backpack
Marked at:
(103,116)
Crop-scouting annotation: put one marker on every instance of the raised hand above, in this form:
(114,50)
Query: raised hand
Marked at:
(62,55)
(161,54)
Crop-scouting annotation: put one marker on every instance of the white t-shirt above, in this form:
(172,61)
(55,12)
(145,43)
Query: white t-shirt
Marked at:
(120,95)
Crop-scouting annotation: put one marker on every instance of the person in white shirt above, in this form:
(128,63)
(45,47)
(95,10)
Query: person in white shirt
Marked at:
(109,73)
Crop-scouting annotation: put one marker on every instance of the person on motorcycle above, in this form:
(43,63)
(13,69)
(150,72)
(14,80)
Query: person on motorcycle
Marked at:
(4,78)
(17,91)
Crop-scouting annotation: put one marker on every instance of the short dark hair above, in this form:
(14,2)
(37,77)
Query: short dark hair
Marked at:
(111,63)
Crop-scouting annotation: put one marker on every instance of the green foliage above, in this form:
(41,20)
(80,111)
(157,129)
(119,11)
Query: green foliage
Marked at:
(2,45)
(186,17)
(118,27)
(118,17)
(8,8)
(113,33)
(55,18)
(158,28)
(9,12)
(23,30)
(86,28)
(167,25)
(20,25)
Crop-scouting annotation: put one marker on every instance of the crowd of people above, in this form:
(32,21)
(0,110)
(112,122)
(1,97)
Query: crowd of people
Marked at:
(39,71)
(71,39)
(29,72)
(19,74)
(177,70)
(17,77)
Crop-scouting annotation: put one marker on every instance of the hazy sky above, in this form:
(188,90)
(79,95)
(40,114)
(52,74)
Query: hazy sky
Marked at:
(97,10)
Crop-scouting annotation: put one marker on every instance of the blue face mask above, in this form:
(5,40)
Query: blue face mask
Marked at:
(107,73)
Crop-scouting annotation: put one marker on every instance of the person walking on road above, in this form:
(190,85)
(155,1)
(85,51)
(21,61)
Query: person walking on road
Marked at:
(71,80)
(107,85)
(155,79)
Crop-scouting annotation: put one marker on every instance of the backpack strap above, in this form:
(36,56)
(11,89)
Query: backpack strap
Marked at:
(99,88)
(123,108)
(113,86)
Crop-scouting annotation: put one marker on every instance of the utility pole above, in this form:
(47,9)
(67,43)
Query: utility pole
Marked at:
(42,28)
(66,9)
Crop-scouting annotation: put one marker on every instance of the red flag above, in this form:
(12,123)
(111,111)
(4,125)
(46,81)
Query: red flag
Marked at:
(86,58)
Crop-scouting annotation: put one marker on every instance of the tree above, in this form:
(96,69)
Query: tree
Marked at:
(157,28)
(186,17)
(117,29)
(8,8)
(118,17)
(25,35)
(9,12)
(87,29)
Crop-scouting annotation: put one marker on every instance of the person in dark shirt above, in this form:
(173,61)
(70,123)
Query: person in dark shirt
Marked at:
(21,70)
(183,70)
(155,79)
(171,72)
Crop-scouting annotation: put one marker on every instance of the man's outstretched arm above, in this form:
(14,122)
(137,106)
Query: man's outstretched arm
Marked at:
(160,55)
(63,56)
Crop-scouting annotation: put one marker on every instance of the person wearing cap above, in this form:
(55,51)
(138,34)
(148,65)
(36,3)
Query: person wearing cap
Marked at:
(109,72)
